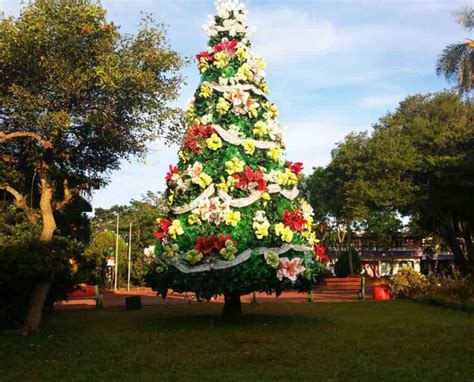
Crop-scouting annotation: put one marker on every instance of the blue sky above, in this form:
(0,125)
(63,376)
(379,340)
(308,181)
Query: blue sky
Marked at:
(333,66)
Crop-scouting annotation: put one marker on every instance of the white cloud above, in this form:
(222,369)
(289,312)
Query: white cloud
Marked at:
(312,142)
(286,36)
(381,100)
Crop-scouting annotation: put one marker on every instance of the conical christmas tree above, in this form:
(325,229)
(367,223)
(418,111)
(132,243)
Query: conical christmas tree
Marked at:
(235,223)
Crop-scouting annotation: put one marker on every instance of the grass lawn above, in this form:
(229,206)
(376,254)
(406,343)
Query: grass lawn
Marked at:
(392,341)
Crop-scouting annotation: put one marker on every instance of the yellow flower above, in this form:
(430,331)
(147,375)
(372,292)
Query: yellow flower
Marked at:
(279,228)
(259,63)
(287,178)
(274,153)
(231,182)
(171,197)
(309,220)
(203,180)
(260,128)
(158,220)
(271,110)
(265,196)
(175,229)
(287,235)
(206,91)
(193,219)
(252,107)
(184,157)
(223,185)
(190,113)
(232,218)
(242,54)
(310,236)
(234,165)
(264,86)
(220,60)
(214,142)
(249,146)
(244,73)
(261,230)
(222,106)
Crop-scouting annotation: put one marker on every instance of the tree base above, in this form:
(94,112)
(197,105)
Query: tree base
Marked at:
(232,306)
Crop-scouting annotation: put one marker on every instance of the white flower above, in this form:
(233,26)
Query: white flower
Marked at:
(275,131)
(235,130)
(206,119)
(212,210)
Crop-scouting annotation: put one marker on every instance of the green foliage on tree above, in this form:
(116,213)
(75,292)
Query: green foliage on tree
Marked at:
(142,214)
(102,247)
(419,162)
(456,62)
(76,97)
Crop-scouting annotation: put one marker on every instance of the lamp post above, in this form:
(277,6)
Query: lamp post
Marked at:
(116,253)
(129,255)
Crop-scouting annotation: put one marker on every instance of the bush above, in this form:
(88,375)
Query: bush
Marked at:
(408,283)
(341,268)
(22,265)
(454,287)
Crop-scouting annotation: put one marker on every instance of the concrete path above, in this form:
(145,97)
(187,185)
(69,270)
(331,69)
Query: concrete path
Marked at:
(149,297)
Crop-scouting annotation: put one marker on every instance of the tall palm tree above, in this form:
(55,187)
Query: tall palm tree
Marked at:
(456,62)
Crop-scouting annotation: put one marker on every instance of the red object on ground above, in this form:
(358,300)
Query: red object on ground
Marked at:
(380,293)
(83,290)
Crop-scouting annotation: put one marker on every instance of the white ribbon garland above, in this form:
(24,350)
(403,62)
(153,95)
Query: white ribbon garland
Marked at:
(237,202)
(255,196)
(226,88)
(206,194)
(245,255)
(229,137)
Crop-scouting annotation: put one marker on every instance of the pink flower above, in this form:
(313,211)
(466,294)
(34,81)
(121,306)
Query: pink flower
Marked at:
(290,268)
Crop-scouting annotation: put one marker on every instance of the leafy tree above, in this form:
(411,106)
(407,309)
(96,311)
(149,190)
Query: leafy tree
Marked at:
(142,214)
(456,62)
(76,97)
(103,246)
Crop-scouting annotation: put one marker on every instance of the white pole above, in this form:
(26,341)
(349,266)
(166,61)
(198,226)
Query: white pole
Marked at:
(116,252)
(129,255)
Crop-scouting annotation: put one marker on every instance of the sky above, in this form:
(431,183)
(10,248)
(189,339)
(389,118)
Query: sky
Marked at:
(333,67)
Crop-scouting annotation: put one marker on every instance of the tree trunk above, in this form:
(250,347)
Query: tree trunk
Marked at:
(232,306)
(35,307)
(40,290)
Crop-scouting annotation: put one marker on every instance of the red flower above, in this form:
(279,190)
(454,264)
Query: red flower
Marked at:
(201,130)
(320,252)
(205,55)
(164,226)
(294,220)
(226,46)
(295,167)
(205,245)
(173,170)
(222,239)
(249,176)
(191,144)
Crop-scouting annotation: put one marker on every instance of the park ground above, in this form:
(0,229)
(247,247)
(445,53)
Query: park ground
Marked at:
(285,341)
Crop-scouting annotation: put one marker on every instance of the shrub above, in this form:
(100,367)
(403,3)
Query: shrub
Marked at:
(24,264)
(408,283)
(341,268)
(454,287)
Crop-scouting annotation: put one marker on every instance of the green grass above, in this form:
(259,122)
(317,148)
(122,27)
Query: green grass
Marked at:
(393,341)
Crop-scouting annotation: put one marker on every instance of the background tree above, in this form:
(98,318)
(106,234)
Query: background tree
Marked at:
(419,162)
(456,62)
(142,214)
(76,97)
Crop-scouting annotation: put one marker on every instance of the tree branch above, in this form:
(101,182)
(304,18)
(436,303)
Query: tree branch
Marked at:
(68,196)
(20,200)
(19,134)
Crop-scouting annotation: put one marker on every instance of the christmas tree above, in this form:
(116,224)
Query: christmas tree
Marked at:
(236,223)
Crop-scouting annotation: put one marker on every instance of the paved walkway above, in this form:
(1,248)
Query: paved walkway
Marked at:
(114,299)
